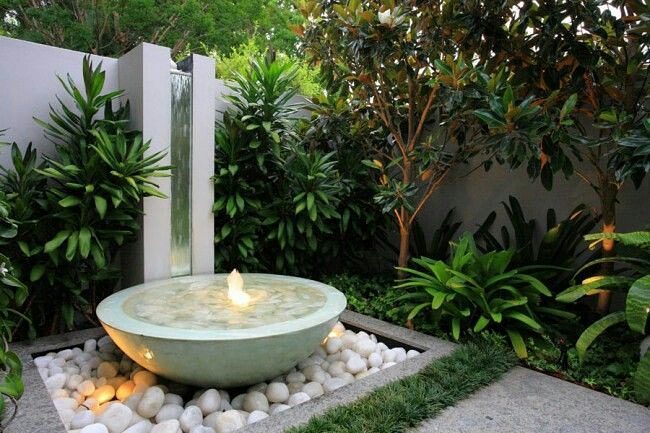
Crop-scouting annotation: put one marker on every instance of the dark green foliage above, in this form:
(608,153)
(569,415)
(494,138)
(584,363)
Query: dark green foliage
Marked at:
(560,245)
(282,203)
(438,248)
(112,28)
(632,276)
(69,232)
(608,367)
(13,294)
(477,292)
(374,296)
(403,404)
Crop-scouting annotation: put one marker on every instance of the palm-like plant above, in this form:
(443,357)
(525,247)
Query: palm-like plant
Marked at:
(474,291)
(633,275)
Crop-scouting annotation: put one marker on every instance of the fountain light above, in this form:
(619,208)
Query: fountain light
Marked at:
(236,292)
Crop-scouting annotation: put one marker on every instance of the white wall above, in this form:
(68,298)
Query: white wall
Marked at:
(28,84)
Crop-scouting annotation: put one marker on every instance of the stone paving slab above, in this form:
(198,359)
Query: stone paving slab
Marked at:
(525,401)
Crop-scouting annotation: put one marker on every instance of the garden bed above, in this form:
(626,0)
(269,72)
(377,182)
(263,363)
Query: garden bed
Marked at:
(37,413)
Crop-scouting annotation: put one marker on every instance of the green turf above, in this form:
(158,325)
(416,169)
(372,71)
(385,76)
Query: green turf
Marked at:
(403,404)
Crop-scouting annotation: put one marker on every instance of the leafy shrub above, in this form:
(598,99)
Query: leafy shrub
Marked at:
(281,202)
(475,291)
(13,294)
(70,231)
(374,296)
(239,59)
(634,277)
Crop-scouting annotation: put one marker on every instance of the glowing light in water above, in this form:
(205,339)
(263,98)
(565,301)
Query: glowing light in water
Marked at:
(236,292)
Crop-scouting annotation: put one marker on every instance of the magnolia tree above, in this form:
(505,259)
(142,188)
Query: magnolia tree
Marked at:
(574,98)
(410,69)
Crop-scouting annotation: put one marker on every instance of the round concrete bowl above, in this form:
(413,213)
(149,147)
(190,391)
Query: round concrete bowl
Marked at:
(222,358)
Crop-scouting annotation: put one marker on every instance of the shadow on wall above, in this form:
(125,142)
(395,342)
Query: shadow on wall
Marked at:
(476,194)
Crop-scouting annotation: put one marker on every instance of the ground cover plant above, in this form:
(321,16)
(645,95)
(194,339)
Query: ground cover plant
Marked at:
(403,404)
(635,278)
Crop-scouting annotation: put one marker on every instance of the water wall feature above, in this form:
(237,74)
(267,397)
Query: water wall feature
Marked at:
(181,182)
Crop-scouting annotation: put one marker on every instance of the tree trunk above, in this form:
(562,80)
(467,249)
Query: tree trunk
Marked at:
(608,192)
(404,246)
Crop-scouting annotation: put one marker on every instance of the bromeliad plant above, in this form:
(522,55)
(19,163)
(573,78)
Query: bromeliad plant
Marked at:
(475,292)
(633,276)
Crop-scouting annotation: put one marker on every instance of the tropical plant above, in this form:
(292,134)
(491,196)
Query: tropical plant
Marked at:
(477,292)
(111,28)
(574,89)
(438,248)
(70,231)
(634,277)
(282,204)
(13,294)
(558,248)
(402,63)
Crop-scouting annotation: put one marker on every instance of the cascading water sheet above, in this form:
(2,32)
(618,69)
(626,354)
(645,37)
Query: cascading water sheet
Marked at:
(181,160)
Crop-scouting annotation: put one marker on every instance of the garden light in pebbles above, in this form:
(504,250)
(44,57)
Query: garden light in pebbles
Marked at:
(97,389)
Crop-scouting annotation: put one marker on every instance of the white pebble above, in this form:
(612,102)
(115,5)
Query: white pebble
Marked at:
(412,354)
(59,393)
(116,418)
(296,376)
(171,398)
(278,392)
(294,387)
(228,421)
(151,402)
(238,401)
(333,384)
(107,370)
(400,354)
(375,360)
(209,401)
(42,361)
(169,411)
(347,354)
(201,429)
(355,364)
(191,416)
(125,390)
(104,393)
(87,387)
(298,398)
(82,419)
(387,364)
(90,345)
(65,403)
(169,426)
(333,345)
(336,368)
(94,428)
(277,408)
(65,354)
(313,389)
(382,347)
(133,400)
(348,340)
(144,377)
(255,401)
(56,381)
(388,355)
(256,415)
(73,381)
(143,426)
(365,347)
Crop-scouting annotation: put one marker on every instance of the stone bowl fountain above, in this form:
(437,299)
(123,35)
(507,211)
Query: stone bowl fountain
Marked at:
(206,330)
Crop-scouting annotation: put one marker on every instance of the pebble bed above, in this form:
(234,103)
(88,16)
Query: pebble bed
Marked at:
(98,389)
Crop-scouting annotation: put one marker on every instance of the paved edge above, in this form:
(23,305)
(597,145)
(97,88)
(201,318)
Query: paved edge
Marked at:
(37,414)
(524,401)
